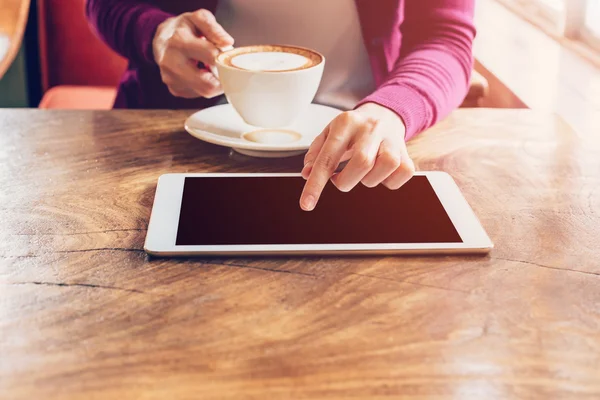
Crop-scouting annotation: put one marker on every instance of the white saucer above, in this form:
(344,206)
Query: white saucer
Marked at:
(222,126)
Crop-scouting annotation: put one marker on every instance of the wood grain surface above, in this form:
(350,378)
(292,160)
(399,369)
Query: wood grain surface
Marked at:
(85,314)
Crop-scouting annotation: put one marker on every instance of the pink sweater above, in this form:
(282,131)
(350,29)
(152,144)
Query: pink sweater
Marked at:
(420,53)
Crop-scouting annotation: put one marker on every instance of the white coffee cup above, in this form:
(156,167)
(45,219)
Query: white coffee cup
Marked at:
(270,85)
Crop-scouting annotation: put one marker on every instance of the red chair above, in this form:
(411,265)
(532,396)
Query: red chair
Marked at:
(78,70)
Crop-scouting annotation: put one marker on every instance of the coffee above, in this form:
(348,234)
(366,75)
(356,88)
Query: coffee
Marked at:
(270,58)
(268,85)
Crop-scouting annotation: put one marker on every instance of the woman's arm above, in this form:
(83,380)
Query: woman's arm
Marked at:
(145,34)
(431,78)
(127,26)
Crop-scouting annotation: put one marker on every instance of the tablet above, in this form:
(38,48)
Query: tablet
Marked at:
(259,214)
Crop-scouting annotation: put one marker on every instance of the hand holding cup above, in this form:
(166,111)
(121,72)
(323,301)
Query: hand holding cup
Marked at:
(180,43)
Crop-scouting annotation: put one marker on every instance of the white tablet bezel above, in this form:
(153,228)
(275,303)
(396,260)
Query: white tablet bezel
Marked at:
(164,220)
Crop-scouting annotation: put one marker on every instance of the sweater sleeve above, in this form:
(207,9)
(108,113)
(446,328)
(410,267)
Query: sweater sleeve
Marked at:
(431,76)
(127,26)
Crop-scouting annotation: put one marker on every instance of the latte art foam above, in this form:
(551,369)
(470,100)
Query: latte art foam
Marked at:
(269,61)
(270,58)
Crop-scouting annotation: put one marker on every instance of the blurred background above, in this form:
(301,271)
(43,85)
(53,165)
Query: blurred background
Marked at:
(539,54)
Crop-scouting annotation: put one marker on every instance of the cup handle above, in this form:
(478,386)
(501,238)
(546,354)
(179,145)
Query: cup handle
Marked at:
(213,68)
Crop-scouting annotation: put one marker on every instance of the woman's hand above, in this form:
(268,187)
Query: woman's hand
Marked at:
(180,43)
(372,138)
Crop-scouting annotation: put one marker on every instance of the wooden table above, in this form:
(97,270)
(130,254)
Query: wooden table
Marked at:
(85,314)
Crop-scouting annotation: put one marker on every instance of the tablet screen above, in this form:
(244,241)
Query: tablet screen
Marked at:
(265,210)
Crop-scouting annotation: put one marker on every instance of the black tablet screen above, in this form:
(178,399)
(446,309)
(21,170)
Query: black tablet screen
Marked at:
(265,210)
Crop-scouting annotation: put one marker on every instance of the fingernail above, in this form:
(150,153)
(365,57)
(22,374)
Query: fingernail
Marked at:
(308,204)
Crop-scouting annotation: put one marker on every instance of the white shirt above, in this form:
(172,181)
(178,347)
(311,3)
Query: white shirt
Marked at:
(331,27)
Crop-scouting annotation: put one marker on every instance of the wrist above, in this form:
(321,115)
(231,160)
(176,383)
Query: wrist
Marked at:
(163,32)
(382,113)
(144,33)
(157,41)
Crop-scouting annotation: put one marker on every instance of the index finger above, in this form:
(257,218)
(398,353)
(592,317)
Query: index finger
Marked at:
(208,26)
(324,166)
(313,152)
